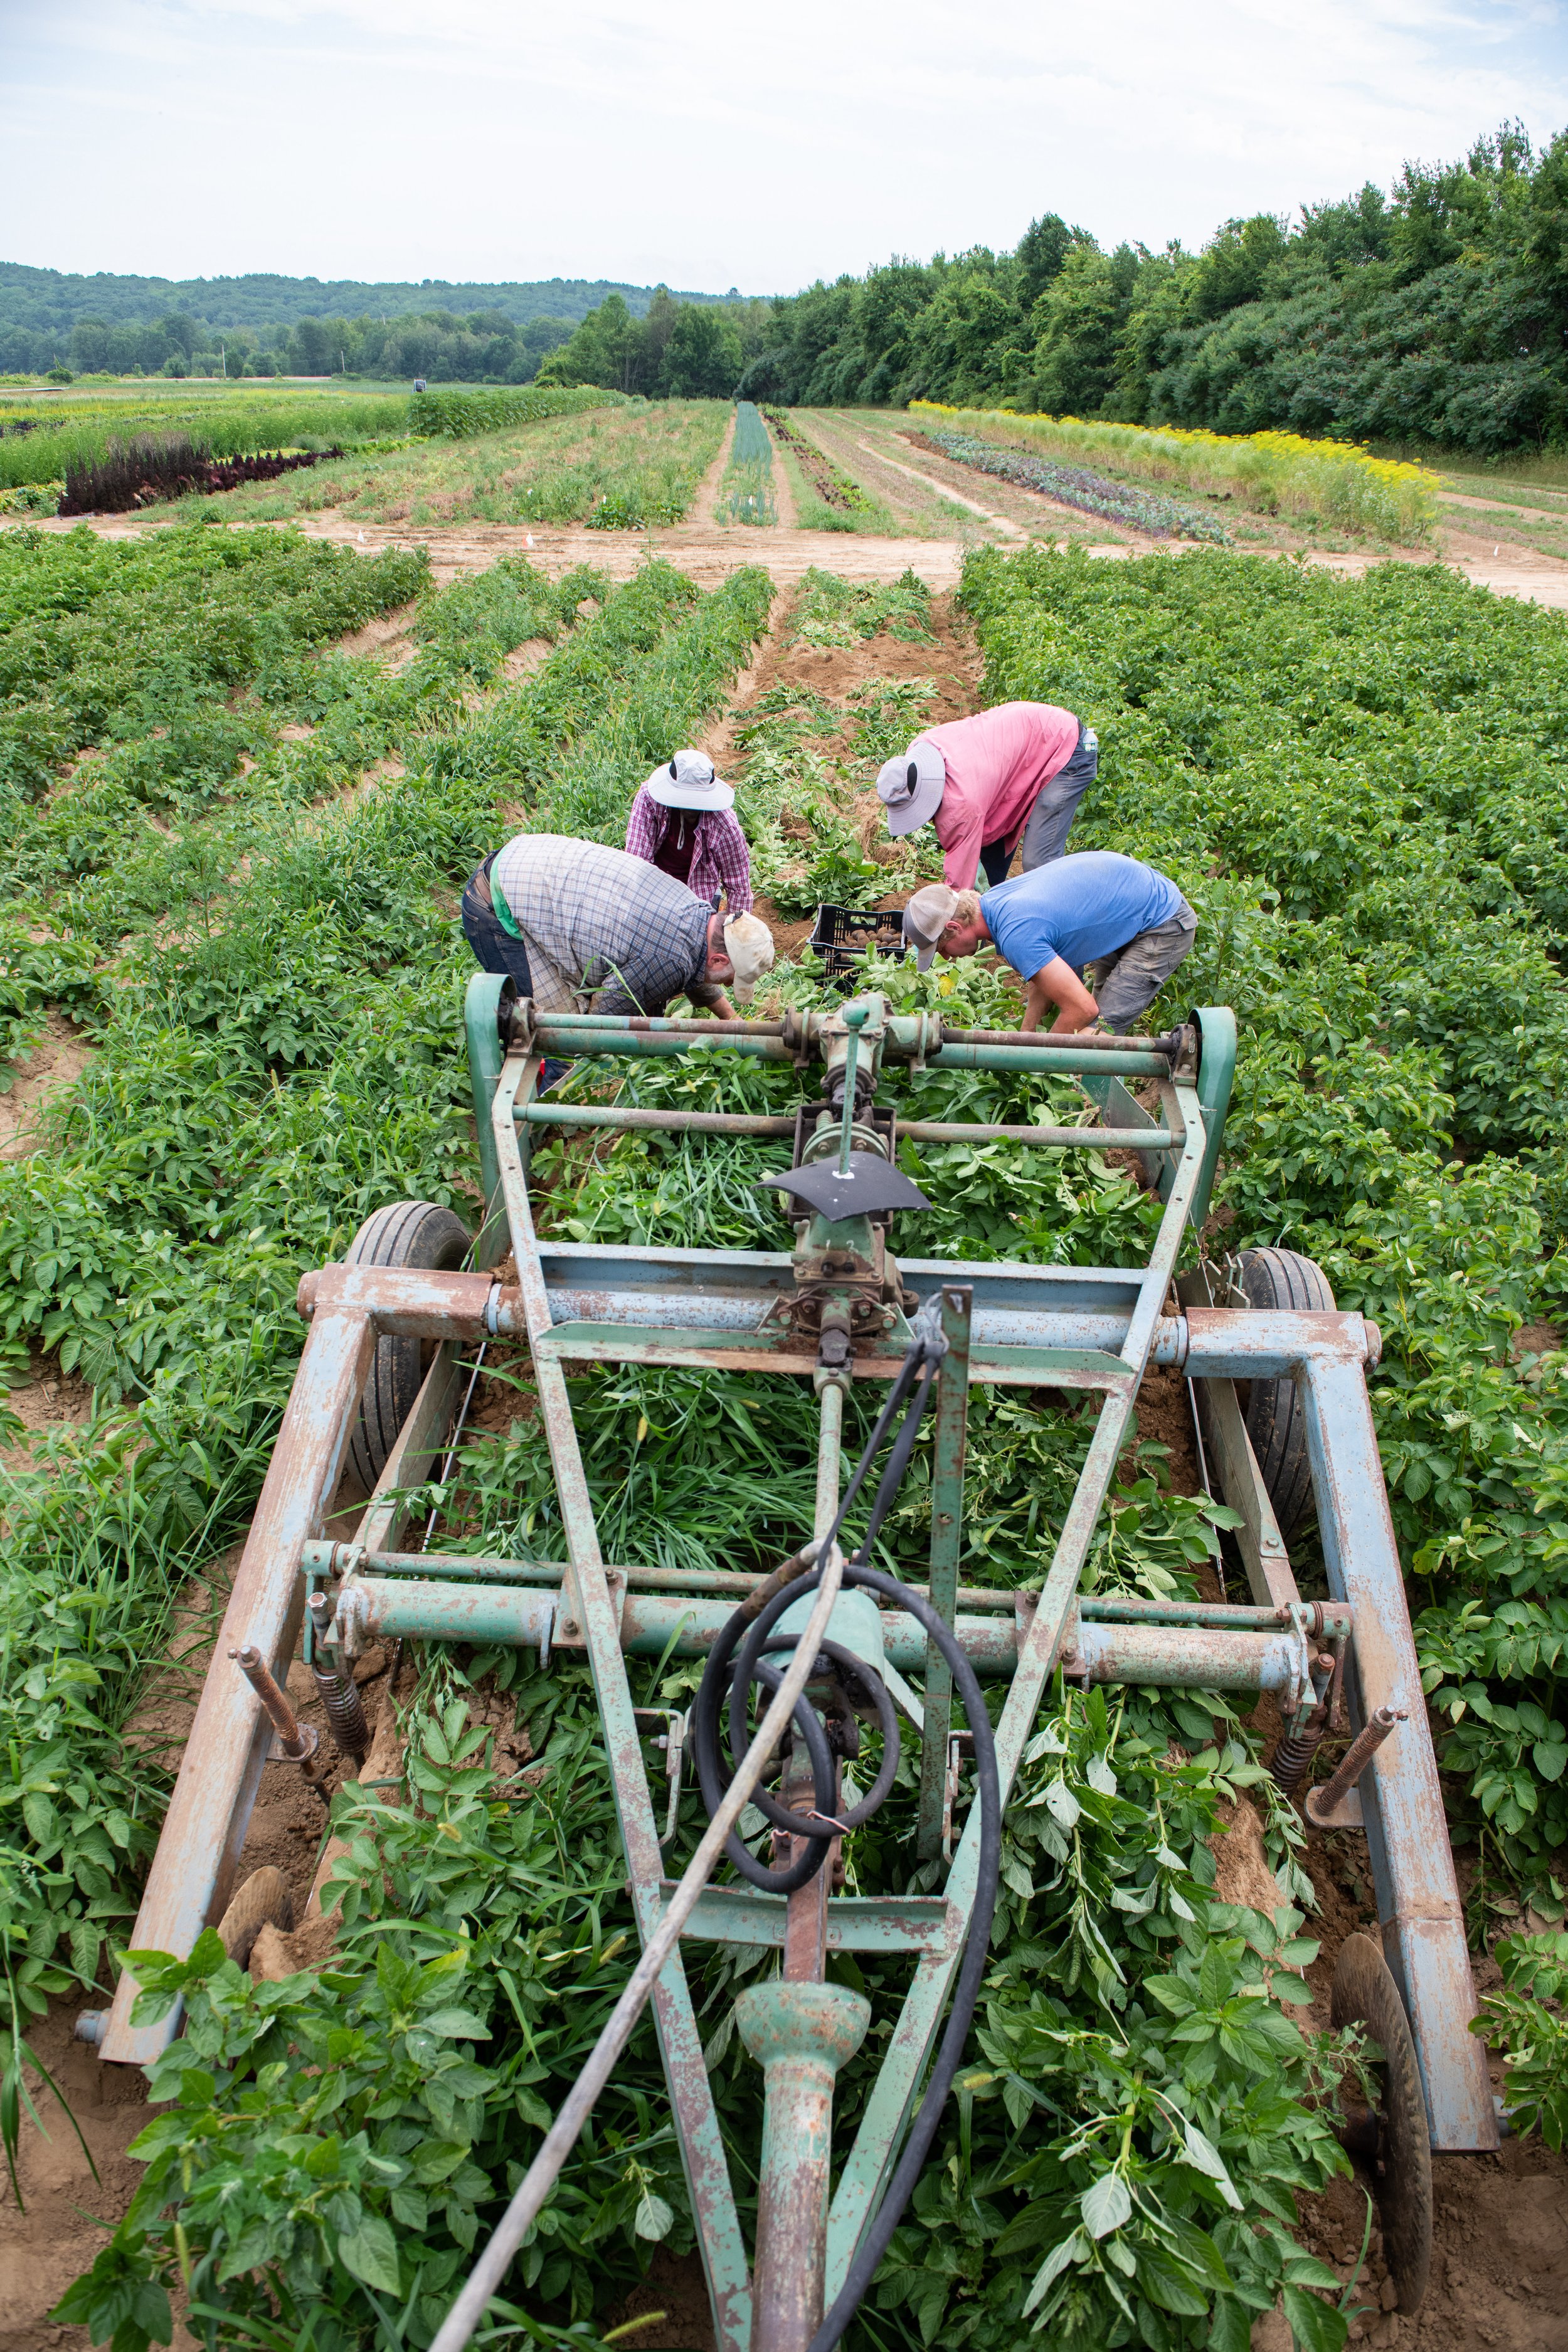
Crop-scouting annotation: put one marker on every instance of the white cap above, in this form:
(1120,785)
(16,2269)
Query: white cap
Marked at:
(749,944)
(912,786)
(926,918)
(689,782)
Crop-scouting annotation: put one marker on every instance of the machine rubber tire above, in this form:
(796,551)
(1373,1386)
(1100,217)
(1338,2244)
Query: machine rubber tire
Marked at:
(260,1901)
(1274,1279)
(1365,1993)
(407,1232)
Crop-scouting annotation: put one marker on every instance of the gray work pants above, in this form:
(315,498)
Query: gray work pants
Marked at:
(1125,984)
(1051,819)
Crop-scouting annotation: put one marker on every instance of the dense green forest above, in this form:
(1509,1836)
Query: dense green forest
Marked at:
(1436,313)
(53,317)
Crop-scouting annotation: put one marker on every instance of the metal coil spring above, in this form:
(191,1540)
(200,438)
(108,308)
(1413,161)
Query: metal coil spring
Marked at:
(346,1713)
(1294,1753)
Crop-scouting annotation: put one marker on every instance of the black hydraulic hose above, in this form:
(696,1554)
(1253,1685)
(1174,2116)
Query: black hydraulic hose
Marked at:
(970,1975)
(914,1383)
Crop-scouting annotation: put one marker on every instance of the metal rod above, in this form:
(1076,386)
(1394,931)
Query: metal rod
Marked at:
(674,1122)
(1355,1761)
(281,1716)
(569,1041)
(1117,1059)
(854,1022)
(948,1445)
(1093,1041)
(484,2279)
(1067,1139)
(643,1025)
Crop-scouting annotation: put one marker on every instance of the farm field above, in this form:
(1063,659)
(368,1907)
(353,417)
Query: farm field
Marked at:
(238,824)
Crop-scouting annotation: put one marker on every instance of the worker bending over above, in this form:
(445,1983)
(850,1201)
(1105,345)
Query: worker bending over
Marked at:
(679,820)
(1127,923)
(574,920)
(1015,773)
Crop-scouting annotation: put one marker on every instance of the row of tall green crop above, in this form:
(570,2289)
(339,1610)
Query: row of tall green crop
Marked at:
(1271,473)
(1362,786)
(41,446)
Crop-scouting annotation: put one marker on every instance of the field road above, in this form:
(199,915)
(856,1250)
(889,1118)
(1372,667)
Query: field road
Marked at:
(710,551)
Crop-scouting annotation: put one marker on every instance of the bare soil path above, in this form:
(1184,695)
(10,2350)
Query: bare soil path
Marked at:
(784,496)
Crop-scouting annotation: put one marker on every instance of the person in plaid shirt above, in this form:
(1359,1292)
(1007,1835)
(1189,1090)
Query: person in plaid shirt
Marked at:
(581,926)
(680,822)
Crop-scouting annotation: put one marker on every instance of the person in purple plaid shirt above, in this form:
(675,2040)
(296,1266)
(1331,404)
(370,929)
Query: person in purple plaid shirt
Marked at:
(680,820)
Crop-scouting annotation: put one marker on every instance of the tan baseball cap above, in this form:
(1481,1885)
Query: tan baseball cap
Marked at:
(926,918)
(749,944)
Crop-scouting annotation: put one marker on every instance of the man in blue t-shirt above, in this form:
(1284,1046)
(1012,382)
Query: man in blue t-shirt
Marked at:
(1129,924)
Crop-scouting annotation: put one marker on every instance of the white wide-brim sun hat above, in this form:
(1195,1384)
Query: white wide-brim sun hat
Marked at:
(912,786)
(689,782)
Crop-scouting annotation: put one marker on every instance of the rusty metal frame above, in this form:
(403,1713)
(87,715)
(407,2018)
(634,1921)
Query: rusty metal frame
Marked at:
(1097,1329)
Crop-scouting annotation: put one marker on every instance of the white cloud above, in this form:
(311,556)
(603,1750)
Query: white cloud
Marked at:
(706,145)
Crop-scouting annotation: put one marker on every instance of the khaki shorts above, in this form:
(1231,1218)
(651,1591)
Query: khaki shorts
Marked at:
(1125,984)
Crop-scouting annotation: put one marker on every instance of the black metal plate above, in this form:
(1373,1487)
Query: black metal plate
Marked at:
(872,1185)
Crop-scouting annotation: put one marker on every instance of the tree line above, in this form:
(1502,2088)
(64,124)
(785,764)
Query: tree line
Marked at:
(1436,312)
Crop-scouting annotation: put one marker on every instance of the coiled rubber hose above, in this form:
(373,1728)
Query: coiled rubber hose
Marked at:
(745,1640)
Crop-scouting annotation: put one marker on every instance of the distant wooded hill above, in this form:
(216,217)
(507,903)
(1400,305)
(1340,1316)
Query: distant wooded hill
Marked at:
(53,317)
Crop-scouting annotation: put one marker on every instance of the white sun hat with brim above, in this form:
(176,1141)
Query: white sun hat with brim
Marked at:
(926,918)
(749,944)
(689,782)
(912,786)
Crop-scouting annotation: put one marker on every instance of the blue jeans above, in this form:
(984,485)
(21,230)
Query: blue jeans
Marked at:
(495,949)
(1051,819)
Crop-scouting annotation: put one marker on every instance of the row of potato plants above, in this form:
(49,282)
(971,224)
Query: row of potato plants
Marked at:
(1360,784)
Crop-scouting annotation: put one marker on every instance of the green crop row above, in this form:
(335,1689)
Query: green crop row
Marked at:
(746,493)
(445,415)
(1362,786)
(1272,473)
(236,425)
(273,984)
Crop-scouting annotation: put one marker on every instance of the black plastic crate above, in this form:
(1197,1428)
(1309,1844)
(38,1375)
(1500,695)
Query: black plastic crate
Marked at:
(844,936)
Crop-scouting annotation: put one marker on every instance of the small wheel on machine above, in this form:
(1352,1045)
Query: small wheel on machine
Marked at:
(414,1234)
(1365,1993)
(260,1901)
(1276,1416)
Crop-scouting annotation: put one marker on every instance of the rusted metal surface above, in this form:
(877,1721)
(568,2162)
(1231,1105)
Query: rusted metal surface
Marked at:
(275,1701)
(949,1439)
(587,1592)
(407,1300)
(801,2034)
(1402,1802)
(856,1922)
(1268,1563)
(414,1453)
(1323,1804)
(193,1871)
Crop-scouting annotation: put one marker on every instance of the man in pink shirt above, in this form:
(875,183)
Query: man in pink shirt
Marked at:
(1015,773)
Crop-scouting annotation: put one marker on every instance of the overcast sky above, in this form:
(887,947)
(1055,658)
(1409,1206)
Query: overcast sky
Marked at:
(712,145)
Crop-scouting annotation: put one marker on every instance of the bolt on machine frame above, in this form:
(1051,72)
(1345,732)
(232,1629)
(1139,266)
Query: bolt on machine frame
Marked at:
(836,1310)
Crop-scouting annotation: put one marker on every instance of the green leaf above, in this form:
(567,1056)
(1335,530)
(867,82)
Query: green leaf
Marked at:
(1105,2204)
(1201,2153)
(1072,2248)
(369,2254)
(654,2218)
(1316,2325)
(451,2023)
